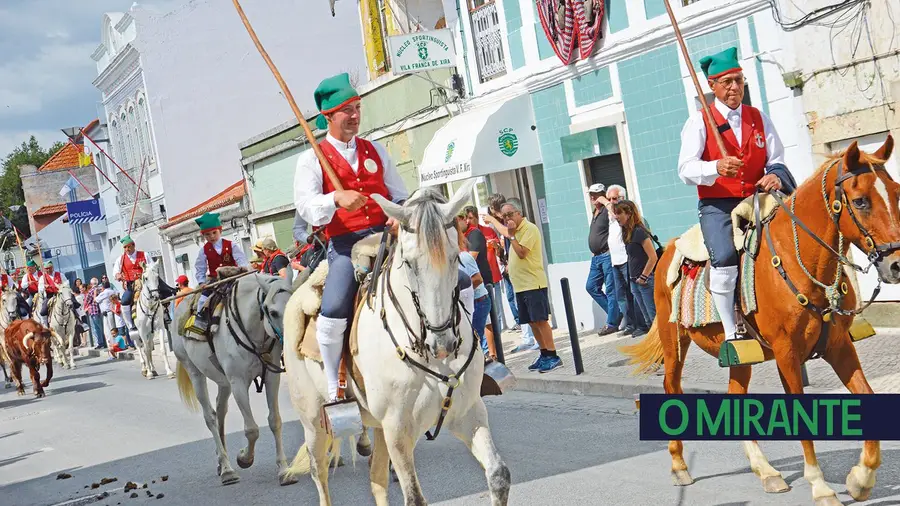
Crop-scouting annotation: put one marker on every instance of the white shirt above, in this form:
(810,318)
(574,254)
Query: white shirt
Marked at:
(24,283)
(102,299)
(117,267)
(316,208)
(42,285)
(120,322)
(694,171)
(616,245)
(201,267)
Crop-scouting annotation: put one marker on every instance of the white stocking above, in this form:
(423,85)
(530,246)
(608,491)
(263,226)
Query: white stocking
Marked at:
(129,318)
(330,334)
(722,282)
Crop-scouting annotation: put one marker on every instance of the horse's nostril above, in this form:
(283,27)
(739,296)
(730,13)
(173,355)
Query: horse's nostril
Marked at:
(895,269)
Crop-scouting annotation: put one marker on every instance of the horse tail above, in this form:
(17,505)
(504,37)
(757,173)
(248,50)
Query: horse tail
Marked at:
(186,389)
(646,355)
(302,463)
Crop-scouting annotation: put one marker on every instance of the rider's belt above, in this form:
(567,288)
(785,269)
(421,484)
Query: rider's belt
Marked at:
(479,299)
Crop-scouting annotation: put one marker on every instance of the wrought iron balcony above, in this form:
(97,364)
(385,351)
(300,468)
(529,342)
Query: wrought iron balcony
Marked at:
(488,42)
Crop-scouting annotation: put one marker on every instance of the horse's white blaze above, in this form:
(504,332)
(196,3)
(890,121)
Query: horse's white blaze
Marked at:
(883,193)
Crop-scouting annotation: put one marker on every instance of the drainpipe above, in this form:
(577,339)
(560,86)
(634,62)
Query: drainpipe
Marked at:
(462,34)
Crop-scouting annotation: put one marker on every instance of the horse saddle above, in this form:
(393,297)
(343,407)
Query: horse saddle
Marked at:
(212,310)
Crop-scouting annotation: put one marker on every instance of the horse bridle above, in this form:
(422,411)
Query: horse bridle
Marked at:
(876,251)
(154,303)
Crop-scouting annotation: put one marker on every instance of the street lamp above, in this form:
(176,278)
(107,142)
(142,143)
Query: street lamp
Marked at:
(72,132)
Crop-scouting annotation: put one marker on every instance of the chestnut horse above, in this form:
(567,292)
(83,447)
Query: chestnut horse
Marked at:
(851,199)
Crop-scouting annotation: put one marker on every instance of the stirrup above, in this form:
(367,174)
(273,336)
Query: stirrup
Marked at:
(740,351)
(342,418)
(861,329)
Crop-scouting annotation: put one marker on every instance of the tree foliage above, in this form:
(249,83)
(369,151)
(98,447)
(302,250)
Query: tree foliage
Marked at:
(11,193)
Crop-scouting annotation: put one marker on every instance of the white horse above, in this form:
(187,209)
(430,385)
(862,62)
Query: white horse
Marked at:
(416,317)
(150,323)
(8,314)
(62,321)
(244,347)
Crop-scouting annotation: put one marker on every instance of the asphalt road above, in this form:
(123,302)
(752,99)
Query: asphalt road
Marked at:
(104,420)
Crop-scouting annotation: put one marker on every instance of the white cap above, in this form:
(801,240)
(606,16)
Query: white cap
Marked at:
(596,188)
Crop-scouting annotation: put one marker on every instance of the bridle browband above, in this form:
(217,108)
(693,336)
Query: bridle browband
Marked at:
(876,251)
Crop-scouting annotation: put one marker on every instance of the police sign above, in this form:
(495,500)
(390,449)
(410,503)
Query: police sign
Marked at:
(84,211)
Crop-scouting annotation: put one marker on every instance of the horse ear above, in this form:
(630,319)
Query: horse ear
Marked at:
(884,152)
(851,157)
(458,201)
(395,211)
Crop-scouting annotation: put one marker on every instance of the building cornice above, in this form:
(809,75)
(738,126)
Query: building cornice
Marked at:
(123,23)
(98,52)
(118,70)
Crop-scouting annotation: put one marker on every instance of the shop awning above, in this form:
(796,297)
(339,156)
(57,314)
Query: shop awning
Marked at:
(494,138)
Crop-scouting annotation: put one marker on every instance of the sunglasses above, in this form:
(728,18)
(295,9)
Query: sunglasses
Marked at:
(509,214)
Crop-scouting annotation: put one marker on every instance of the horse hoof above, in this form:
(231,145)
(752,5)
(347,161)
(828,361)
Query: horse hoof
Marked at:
(244,462)
(8,385)
(682,478)
(144,373)
(171,375)
(364,450)
(45,383)
(219,470)
(775,485)
(856,488)
(20,393)
(285,478)
(38,395)
(830,500)
(230,478)
(154,374)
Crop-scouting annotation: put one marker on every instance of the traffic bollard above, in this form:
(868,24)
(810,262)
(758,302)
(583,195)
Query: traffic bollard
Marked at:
(570,321)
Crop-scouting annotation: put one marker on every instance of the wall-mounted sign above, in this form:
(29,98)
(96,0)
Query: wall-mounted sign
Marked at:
(572,27)
(421,51)
(84,211)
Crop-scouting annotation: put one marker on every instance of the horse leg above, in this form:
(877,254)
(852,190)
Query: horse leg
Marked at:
(241,394)
(147,344)
(364,444)
(198,380)
(400,448)
(670,336)
(140,354)
(70,350)
(317,445)
(378,469)
(473,430)
(773,483)
(272,383)
(789,368)
(36,379)
(164,346)
(16,371)
(224,392)
(845,362)
(46,382)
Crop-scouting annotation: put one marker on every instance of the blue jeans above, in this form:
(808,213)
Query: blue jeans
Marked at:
(479,319)
(123,332)
(632,315)
(511,298)
(602,273)
(643,299)
(340,284)
(97,330)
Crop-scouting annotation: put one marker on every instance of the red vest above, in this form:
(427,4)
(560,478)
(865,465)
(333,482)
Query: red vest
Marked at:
(267,265)
(5,280)
(133,270)
(32,282)
(752,152)
(51,283)
(365,182)
(214,260)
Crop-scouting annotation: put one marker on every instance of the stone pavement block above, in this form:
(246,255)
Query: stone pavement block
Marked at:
(606,372)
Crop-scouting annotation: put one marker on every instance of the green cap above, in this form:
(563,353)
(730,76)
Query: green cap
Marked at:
(332,94)
(127,240)
(30,263)
(48,263)
(208,221)
(722,63)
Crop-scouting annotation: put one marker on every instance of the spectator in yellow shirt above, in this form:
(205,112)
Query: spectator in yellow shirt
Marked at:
(526,271)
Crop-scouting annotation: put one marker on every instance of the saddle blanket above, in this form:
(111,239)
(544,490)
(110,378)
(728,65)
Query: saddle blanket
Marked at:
(692,304)
(185,320)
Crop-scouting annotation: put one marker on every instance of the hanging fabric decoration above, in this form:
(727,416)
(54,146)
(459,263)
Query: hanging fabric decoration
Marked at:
(571,23)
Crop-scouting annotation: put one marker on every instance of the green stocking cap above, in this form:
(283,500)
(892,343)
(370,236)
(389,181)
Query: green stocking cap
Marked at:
(332,94)
(127,240)
(30,263)
(208,221)
(719,64)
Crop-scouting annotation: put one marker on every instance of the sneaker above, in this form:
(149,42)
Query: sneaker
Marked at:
(640,332)
(537,363)
(609,329)
(549,364)
(524,347)
(628,330)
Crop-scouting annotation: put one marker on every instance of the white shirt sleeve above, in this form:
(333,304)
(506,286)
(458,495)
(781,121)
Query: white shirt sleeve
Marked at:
(392,179)
(200,267)
(691,169)
(774,147)
(24,283)
(41,285)
(117,267)
(239,257)
(314,207)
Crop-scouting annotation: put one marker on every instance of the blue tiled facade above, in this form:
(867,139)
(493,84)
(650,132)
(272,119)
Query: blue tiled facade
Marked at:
(545,49)
(754,43)
(654,8)
(558,182)
(616,15)
(656,109)
(592,87)
(513,13)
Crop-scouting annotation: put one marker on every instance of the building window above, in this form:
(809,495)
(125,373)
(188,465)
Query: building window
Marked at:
(145,125)
(139,145)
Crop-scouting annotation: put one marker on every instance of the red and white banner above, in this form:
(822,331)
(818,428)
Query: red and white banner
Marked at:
(569,24)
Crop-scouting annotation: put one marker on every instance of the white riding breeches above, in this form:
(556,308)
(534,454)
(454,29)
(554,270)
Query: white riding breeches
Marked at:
(722,283)
(330,334)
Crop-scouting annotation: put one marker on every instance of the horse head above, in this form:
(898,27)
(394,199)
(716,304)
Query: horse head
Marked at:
(869,198)
(65,295)
(278,292)
(429,249)
(10,303)
(150,278)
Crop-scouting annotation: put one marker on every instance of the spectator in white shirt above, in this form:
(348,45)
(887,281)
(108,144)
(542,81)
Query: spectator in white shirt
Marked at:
(633,324)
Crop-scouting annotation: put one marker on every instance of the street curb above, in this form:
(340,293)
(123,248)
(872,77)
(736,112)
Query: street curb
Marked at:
(90,352)
(625,388)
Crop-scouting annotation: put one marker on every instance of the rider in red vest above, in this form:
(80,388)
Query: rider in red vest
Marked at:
(128,268)
(364,168)
(48,286)
(217,252)
(276,262)
(754,159)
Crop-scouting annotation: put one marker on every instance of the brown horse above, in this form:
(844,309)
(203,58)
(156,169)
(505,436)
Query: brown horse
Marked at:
(851,199)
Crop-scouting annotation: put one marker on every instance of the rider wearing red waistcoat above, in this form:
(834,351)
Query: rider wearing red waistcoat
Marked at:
(217,252)
(31,278)
(753,158)
(363,168)
(128,269)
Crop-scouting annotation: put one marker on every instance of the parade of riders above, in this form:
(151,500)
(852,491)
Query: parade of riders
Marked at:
(127,270)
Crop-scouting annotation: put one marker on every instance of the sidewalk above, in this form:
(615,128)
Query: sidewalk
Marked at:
(606,371)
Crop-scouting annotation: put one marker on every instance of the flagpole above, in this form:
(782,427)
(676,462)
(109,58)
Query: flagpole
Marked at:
(136,195)
(110,159)
(94,166)
(88,190)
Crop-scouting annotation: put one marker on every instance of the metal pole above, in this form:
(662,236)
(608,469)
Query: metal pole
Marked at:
(113,161)
(570,321)
(495,323)
(805,375)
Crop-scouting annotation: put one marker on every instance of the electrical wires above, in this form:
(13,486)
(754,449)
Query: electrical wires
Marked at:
(812,17)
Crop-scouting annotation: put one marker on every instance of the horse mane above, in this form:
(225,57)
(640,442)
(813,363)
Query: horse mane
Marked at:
(429,224)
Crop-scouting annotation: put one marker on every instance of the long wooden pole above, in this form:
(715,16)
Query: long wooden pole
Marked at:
(206,287)
(687,60)
(335,181)
(137,195)
(95,166)
(111,159)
